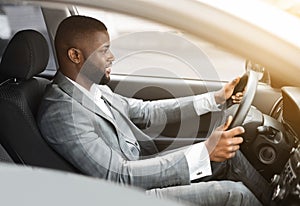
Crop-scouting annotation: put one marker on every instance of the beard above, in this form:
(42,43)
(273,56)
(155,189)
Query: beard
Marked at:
(93,73)
(104,80)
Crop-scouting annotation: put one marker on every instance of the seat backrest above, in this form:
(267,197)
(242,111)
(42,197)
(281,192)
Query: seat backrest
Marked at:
(26,55)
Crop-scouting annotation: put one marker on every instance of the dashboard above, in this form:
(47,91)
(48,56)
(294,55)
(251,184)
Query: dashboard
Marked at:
(287,183)
(291,112)
(272,146)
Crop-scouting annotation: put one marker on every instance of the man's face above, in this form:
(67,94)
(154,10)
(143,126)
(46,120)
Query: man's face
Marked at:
(98,58)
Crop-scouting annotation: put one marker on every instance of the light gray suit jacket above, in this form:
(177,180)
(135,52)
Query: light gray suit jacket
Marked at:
(112,148)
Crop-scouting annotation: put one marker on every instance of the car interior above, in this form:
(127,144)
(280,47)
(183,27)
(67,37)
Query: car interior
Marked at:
(20,94)
(271,137)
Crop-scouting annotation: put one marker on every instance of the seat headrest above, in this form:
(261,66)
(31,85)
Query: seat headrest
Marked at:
(26,55)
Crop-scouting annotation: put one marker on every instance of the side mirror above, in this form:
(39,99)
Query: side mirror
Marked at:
(265,75)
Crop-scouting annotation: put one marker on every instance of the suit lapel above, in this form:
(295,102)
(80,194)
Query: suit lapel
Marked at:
(134,134)
(122,121)
(79,96)
(88,103)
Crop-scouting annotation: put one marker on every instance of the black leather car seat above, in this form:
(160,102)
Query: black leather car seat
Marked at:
(26,55)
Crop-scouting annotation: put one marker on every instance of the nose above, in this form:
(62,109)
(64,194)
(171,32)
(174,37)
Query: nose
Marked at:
(111,57)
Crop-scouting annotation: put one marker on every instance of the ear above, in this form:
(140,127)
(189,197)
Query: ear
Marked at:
(75,55)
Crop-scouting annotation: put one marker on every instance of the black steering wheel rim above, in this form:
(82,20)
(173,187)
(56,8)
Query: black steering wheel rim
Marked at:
(244,106)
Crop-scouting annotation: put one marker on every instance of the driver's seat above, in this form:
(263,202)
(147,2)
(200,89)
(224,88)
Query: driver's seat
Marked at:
(26,55)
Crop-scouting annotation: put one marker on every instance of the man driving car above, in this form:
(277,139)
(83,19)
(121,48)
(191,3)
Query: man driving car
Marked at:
(96,129)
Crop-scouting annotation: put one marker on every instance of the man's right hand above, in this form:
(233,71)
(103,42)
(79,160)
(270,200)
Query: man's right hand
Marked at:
(222,144)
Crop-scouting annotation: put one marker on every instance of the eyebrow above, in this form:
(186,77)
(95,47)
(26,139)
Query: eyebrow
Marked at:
(106,45)
(103,46)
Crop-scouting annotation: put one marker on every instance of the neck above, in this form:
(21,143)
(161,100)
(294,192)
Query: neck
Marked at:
(78,78)
(83,81)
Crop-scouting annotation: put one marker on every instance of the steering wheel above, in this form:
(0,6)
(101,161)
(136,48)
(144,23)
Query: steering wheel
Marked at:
(244,106)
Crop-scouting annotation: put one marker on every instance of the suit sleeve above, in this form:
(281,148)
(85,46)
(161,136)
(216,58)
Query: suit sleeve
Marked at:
(160,111)
(76,134)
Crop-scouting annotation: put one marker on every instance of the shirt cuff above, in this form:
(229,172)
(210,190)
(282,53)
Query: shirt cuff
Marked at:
(204,103)
(198,161)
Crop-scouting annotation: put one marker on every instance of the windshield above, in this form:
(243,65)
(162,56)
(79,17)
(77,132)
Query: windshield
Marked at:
(291,6)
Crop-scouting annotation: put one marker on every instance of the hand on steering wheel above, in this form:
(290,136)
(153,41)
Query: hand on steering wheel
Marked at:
(244,106)
(223,144)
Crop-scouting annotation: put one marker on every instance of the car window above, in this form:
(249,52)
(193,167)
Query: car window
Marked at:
(15,18)
(146,48)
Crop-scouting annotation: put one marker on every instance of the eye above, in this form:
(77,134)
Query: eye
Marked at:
(104,50)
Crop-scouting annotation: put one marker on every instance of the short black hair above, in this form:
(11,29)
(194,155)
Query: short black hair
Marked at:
(75,28)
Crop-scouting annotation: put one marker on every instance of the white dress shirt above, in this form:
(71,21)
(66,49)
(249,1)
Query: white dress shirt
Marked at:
(197,155)
(95,95)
